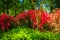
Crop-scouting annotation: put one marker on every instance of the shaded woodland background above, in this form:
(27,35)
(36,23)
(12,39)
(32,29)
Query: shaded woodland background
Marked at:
(14,7)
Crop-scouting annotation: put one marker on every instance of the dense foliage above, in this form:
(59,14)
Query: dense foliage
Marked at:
(29,20)
(22,33)
(15,6)
(5,21)
(55,20)
(34,19)
(31,17)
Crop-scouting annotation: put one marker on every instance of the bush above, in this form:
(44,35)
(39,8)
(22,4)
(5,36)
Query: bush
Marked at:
(40,18)
(55,21)
(30,17)
(5,21)
(22,33)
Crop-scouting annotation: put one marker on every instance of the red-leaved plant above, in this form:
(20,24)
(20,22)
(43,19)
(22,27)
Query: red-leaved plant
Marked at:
(55,21)
(5,21)
(42,17)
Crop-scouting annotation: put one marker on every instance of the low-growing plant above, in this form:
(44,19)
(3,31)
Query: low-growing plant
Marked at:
(20,33)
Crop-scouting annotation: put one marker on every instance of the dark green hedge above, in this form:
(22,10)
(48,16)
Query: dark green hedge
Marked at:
(21,33)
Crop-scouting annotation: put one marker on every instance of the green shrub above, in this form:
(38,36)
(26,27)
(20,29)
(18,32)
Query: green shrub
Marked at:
(22,33)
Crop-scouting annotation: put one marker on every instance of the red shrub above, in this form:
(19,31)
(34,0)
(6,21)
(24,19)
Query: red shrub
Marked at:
(20,16)
(55,21)
(5,21)
(43,17)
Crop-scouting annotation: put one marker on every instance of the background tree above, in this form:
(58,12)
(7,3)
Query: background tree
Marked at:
(14,7)
(5,5)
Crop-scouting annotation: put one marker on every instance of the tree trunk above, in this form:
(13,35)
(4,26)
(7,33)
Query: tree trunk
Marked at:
(15,7)
(23,5)
(57,3)
(51,8)
(7,7)
(3,5)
